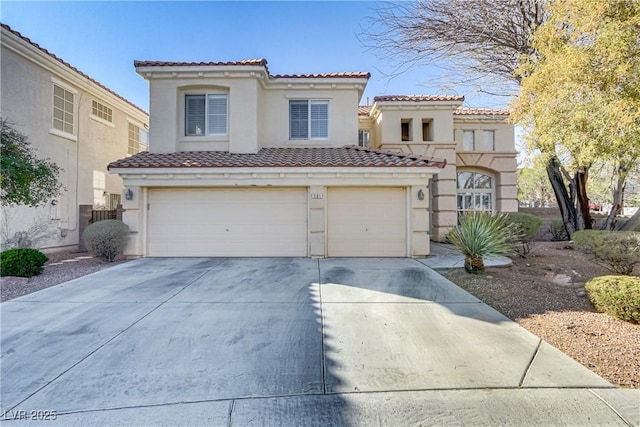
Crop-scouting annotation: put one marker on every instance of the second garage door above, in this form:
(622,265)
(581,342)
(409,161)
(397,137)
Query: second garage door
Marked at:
(367,222)
(228,222)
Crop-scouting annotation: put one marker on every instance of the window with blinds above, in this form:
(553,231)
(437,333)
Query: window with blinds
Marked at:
(308,119)
(206,114)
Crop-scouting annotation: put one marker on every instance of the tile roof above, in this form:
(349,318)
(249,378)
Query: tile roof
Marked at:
(363,110)
(251,62)
(66,64)
(480,111)
(348,156)
(359,75)
(258,61)
(418,98)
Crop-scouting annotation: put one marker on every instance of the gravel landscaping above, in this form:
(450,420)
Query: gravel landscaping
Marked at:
(543,293)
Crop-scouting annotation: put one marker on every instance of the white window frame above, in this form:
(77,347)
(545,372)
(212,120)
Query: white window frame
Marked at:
(207,114)
(135,144)
(74,113)
(102,110)
(310,120)
(476,194)
(364,138)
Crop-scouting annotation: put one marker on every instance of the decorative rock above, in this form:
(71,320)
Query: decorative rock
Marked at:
(560,279)
(550,267)
(581,292)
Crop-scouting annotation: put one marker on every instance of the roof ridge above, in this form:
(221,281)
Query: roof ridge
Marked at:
(417,98)
(66,64)
(412,156)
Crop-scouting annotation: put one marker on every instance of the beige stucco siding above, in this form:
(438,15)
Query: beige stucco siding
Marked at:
(27,79)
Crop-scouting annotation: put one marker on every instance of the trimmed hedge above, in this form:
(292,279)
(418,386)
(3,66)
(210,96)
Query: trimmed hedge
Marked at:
(528,224)
(618,251)
(106,239)
(22,262)
(618,296)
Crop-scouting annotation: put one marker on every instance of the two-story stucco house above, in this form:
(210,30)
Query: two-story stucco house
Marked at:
(74,121)
(246,163)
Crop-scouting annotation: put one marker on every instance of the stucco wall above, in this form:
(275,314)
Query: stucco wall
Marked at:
(27,78)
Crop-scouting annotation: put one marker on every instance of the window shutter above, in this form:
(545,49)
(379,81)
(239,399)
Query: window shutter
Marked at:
(195,115)
(299,119)
(319,119)
(217,114)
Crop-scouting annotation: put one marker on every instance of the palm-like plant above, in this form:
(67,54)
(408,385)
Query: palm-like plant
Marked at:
(480,234)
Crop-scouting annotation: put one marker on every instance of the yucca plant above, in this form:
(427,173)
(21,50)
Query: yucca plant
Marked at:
(480,234)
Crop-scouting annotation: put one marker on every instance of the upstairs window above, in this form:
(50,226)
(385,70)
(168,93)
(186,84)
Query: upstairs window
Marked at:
(206,115)
(138,139)
(468,140)
(308,119)
(63,102)
(405,130)
(363,138)
(475,192)
(488,140)
(102,111)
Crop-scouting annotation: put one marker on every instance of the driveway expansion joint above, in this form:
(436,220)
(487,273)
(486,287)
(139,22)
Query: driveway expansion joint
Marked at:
(530,365)
(624,420)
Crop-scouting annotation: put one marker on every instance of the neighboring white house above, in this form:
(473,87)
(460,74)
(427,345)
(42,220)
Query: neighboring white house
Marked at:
(245,163)
(75,122)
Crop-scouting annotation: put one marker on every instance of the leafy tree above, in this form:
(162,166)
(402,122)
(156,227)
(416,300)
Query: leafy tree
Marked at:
(25,179)
(580,97)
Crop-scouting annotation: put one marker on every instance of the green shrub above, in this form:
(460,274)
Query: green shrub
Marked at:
(106,239)
(558,231)
(618,251)
(618,296)
(480,234)
(528,226)
(22,262)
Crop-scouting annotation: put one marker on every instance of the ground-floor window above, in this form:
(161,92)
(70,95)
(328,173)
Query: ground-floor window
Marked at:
(475,192)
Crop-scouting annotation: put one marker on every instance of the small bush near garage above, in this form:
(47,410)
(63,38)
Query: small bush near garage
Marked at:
(22,262)
(557,230)
(618,296)
(618,251)
(528,225)
(106,239)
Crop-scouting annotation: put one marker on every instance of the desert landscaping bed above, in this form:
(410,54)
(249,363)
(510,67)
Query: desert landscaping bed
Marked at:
(544,293)
(559,313)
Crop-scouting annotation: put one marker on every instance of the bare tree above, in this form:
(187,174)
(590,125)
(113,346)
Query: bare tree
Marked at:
(477,40)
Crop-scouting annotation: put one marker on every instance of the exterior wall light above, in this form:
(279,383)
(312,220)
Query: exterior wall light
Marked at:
(128,194)
(54,202)
(420,194)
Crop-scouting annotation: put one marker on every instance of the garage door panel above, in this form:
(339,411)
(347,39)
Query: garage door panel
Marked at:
(367,222)
(228,222)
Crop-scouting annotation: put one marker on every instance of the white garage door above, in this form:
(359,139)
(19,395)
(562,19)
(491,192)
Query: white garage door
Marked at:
(367,222)
(228,222)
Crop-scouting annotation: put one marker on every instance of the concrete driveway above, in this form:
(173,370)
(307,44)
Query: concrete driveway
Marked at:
(285,341)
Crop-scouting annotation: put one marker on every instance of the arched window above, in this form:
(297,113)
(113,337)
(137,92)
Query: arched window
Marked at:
(475,192)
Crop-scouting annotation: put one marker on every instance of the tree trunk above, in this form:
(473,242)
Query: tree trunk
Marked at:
(618,195)
(583,217)
(567,208)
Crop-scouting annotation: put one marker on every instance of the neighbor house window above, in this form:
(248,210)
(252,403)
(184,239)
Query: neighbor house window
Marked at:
(99,187)
(475,192)
(405,130)
(308,119)
(102,111)
(138,139)
(427,130)
(488,140)
(363,138)
(468,140)
(206,114)
(63,103)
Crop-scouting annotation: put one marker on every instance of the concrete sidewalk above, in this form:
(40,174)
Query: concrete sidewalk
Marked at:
(289,341)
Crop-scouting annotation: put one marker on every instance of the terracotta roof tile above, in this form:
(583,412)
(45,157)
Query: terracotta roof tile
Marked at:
(66,64)
(418,98)
(363,110)
(480,111)
(348,156)
(359,75)
(259,61)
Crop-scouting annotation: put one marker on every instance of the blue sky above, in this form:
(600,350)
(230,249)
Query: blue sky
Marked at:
(102,39)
